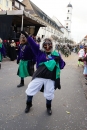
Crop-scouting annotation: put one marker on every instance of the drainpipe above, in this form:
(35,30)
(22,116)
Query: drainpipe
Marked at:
(22,24)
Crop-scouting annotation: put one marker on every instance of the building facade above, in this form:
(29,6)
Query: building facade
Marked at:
(84,40)
(5,5)
(62,28)
(51,29)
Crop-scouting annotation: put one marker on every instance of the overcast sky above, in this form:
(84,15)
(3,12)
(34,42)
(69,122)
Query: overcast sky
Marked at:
(58,8)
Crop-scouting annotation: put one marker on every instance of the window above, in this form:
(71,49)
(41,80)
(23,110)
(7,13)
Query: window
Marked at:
(46,20)
(0,1)
(66,26)
(51,30)
(43,36)
(68,10)
(21,7)
(66,23)
(43,18)
(7,3)
(17,4)
(67,17)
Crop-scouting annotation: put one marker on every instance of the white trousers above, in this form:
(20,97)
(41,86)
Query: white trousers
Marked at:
(36,84)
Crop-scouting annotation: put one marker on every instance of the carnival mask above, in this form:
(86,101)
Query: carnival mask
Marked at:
(47,45)
(23,39)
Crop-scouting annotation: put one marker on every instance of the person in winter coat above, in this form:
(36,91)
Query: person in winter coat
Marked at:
(12,50)
(47,76)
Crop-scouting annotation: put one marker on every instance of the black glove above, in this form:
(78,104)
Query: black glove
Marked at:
(57,84)
(57,58)
(25,34)
(17,61)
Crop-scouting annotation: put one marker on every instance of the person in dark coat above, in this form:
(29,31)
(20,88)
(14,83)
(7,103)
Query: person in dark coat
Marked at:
(47,75)
(13,51)
(26,60)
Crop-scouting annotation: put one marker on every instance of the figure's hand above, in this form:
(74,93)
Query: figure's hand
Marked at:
(25,34)
(57,58)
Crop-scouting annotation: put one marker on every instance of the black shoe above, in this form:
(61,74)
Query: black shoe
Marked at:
(49,111)
(27,109)
(85,83)
(20,85)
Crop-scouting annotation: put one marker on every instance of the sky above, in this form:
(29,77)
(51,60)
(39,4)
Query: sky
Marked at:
(58,8)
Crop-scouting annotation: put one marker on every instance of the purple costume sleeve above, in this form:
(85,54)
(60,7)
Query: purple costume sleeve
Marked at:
(61,62)
(36,51)
(34,45)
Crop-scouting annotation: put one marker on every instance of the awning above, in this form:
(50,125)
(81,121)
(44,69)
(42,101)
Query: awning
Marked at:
(28,19)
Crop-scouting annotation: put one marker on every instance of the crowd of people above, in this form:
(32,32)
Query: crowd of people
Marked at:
(82,59)
(64,49)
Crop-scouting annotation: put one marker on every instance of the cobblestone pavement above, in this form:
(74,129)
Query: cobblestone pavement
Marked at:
(69,107)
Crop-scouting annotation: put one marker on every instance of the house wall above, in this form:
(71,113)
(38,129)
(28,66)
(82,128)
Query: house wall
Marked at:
(5,5)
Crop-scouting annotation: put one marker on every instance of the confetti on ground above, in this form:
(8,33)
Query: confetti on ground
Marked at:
(67,112)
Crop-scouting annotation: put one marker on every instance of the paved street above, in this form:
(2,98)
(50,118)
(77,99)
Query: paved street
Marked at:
(69,106)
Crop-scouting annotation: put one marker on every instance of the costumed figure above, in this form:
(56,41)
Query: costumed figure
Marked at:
(26,60)
(47,76)
(2,51)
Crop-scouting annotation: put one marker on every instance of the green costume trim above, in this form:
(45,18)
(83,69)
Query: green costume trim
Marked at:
(55,53)
(52,63)
(0,52)
(23,71)
(0,45)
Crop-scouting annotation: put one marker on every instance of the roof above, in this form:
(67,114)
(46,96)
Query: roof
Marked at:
(28,19)
(28,6)
(69,5)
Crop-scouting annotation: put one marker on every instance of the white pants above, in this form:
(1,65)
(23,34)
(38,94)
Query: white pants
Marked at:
(36,84)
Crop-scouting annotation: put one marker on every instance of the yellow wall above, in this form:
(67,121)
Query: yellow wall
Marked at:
(3,5)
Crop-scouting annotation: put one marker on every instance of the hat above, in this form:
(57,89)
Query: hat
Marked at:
(24,33)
